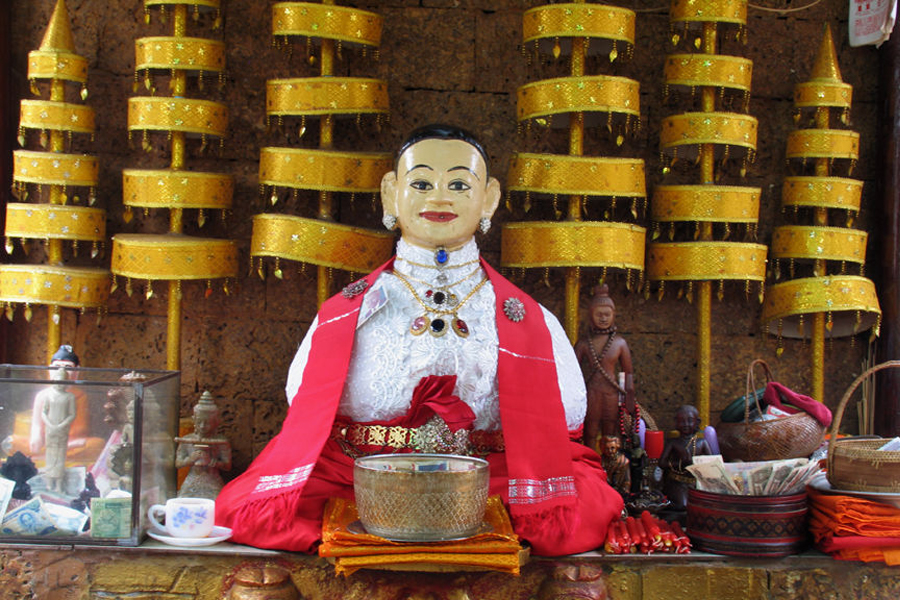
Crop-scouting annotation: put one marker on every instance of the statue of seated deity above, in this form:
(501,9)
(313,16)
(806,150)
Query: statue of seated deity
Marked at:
(678,453)
(203,452)
(433,341)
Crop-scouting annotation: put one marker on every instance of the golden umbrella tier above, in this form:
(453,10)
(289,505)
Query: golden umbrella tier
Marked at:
(823,143)
(72,287)
(819,243)
(577,175)
(815,94)
(327,21)
(573,244)
(179,53)
(326,96)
(55,222)
(706,261)
(705,203)
(698,70)
(850,301)
(321,243)
(54,168)
(176,189)
(66,66)
(163,3)
(681,134)
(822,192)
(56,116)
(553,26)
(323,170)
(170,257)
(708,11)
(186,115)
(589,94)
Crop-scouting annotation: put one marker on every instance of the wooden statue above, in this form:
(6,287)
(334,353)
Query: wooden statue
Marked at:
(603,354)
(679,453)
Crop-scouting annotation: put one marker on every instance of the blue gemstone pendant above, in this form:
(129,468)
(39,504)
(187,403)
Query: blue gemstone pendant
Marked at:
(441,256)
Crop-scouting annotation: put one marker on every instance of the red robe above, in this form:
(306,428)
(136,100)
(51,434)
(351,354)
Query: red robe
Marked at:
(555,488)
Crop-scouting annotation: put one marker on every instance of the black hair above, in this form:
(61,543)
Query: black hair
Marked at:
(442,131)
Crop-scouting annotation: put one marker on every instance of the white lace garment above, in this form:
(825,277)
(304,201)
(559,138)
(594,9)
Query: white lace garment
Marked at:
(388,360)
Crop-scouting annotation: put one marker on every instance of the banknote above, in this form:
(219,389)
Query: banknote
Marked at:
(68,520)
(111,517)
(29,519)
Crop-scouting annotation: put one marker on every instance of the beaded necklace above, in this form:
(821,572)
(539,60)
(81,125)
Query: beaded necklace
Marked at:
(435,304)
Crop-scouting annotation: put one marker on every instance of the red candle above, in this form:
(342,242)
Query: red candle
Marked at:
(653,443)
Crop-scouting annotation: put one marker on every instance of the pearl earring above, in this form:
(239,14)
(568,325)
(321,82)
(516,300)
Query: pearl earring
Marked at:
(484,225)
(389,222)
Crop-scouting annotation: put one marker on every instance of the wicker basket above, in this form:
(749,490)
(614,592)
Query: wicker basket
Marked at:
(856,464)
(794,436)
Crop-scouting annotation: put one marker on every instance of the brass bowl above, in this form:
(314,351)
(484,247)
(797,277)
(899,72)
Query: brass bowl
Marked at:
(421,497)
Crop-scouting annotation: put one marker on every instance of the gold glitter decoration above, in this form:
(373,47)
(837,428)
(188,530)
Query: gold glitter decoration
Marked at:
(819,243)
(825,192)
(71,287)
(172,257)
(164,3)
(581,175)
(188,115)
(550,23)
(823,94)
(720,128)
(180,53)
(695,70)
(708,11)
(56,116)
(320,242)
(573,244)
(706,261)
(54,221)
(847,297)
(326,96)
(176,189)
(325,170)
(705,203)
(54,168)
(598,93)
(327,21)
(823,143)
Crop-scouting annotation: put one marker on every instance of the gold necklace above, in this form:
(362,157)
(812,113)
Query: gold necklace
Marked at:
(442,281)
(437,326)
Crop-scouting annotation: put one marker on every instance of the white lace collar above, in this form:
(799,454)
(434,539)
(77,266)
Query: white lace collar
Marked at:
(419,263)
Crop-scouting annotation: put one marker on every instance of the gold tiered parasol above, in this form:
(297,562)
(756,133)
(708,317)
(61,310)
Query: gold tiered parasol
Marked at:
(49,184)
(704,233)
(324,171)
(818,297)
(172,256)
(577,102)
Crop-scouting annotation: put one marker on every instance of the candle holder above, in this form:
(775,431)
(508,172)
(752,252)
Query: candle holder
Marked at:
(650,497)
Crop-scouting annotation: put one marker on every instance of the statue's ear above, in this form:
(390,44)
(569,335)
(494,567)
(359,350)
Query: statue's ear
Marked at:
(492,198)
(389,193)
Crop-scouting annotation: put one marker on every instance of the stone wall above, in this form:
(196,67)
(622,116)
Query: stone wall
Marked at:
(445,60)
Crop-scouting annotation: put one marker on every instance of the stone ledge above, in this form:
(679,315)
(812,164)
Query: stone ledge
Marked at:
(154,570)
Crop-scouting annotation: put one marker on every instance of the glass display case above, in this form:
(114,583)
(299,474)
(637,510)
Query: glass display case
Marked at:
(84,452)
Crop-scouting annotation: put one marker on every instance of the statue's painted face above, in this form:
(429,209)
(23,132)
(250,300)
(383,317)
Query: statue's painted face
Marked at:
(439,192)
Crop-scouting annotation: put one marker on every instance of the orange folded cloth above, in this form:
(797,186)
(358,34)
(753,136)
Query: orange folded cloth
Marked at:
(342,539)
(851,528)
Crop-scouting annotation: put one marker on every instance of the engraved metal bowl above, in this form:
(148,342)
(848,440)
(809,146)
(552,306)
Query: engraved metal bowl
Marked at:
(421,497)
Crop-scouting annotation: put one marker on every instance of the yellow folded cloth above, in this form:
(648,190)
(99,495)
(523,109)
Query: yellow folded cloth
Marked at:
(495,549)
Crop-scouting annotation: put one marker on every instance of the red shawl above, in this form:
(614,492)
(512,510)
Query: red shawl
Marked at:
(533,419)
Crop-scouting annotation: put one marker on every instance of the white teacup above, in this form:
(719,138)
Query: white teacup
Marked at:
(185,517)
